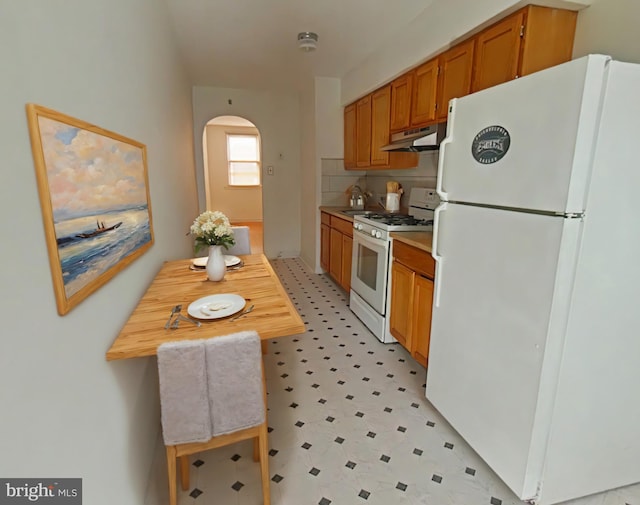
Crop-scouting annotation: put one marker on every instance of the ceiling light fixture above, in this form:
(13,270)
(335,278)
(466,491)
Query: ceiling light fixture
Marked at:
(307,41)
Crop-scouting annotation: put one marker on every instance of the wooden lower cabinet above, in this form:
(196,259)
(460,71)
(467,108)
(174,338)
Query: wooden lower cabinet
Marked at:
(336,237)
(325,240)
(335,256)
(325,246)
(347,249)
(401,303)
(422,303)
(411,299)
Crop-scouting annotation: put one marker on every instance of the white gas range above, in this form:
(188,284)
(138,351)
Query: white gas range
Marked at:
(371,259)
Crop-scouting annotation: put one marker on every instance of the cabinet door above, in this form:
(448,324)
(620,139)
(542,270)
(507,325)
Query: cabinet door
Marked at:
(363,127)
(401,303)
(325,246)
(380,110)
(425,87)
(456,66)
(335,255)
(350,136)
(347,248)
(497,53)
(548,38)
(422,302)
(401,102)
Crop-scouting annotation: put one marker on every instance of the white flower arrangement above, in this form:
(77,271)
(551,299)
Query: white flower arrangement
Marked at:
(212,228)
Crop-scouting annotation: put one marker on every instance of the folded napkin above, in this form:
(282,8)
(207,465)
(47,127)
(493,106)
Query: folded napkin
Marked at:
(234,369)
(183,392)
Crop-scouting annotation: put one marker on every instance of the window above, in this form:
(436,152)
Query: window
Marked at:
(243,156)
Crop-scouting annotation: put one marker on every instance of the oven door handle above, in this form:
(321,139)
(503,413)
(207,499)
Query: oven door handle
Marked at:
(374,242)
(434,253)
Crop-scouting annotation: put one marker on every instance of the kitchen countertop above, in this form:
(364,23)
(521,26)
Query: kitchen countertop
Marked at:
(335,211)
(419,239)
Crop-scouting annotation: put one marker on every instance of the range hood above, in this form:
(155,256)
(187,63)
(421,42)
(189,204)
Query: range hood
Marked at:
(418,139)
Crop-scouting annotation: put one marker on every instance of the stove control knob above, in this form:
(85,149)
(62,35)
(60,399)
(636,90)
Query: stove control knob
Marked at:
(357,226)
(376,234)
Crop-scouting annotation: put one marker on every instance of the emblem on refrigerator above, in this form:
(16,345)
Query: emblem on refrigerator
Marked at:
(490,144)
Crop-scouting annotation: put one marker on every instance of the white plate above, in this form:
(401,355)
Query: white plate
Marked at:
(228,261)
(216,306)
(231,260)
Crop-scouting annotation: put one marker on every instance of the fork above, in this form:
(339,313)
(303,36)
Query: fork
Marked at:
(174,310)
(243,313)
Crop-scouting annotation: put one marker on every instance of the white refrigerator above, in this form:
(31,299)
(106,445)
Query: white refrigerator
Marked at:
(535,343)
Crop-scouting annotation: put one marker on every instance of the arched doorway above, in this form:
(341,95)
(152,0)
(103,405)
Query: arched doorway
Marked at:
(232,173)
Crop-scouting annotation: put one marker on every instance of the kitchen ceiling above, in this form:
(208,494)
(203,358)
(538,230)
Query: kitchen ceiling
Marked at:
(253,43)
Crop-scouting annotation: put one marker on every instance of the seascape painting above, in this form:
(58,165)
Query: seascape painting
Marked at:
(95,201)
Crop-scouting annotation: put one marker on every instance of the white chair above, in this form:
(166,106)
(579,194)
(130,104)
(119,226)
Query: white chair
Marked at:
(212,393)
(243,242)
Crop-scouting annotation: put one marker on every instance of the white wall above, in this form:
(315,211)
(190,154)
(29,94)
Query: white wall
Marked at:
(609,27)
(66,412)
(323,138)
(329,118)
(309,186)
(277,117)
(239,203)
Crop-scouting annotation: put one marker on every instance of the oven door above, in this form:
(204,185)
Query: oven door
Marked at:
(369,270)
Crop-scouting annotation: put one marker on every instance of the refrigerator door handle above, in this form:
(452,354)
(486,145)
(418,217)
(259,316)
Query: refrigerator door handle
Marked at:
(442,151)
(434,253)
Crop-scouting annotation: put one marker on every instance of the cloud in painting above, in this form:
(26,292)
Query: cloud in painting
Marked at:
(90,173)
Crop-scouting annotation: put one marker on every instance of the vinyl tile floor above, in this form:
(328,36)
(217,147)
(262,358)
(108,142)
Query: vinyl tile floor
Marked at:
(349,425)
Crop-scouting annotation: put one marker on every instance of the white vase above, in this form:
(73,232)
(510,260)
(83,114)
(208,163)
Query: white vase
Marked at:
(216,267)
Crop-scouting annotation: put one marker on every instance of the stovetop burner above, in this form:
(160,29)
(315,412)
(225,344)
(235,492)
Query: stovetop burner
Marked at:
(392,222)
(399,220)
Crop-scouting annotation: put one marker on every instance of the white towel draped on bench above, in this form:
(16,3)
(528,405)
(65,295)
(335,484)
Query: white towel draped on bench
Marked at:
(210,387)
(184,394)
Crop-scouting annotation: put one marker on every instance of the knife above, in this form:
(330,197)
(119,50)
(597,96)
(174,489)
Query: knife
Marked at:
(180,317)
(174,310)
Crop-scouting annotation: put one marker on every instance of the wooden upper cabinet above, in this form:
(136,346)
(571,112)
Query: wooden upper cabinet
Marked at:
(350,136)
(401,90)
(456,66)
(497,53)
(363,129)
(424,97)
(547,38)
(380,111)
(366,127)
(529,40)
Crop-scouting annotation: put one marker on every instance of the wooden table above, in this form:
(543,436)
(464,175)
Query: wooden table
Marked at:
(273,316)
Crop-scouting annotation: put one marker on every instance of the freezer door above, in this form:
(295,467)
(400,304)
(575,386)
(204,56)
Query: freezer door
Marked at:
(502,291)
(526,143)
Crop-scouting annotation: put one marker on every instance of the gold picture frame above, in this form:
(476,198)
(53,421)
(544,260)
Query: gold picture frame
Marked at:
(94,194)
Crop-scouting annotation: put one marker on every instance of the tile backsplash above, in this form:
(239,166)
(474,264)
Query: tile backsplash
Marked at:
(336,180)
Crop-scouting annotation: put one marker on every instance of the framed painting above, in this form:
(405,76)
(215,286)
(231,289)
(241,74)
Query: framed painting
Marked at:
(94,195)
